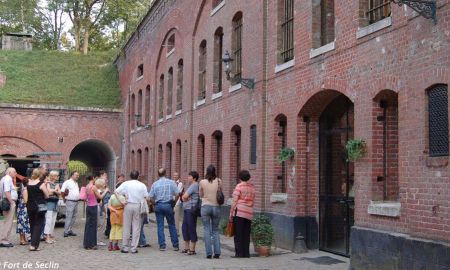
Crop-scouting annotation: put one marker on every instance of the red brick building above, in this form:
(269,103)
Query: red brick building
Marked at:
(326,72)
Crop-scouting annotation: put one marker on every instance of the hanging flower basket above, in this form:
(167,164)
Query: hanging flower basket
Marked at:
(355,149)
(285,154)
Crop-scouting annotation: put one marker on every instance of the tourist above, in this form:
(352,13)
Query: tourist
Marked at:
(100,182)
(8,191)
(23,224)
(35,196)
(71,194)
(178,209)
(144,220)
(189,227)
(135,191)
(90,228)
(241,214)
(52,202)
(210,212)
(120,180)
(115,206)
(162,194)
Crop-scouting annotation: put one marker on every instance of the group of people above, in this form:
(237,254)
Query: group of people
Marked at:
(120,214)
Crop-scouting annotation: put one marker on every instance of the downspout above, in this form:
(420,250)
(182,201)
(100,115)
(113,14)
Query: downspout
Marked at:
(264,107)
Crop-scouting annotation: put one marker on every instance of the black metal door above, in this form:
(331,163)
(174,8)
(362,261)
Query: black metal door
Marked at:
(336,198)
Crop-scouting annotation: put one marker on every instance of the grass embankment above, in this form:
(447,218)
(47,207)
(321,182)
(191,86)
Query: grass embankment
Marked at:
(60,78)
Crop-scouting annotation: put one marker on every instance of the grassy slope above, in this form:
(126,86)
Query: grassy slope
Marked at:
(59,78)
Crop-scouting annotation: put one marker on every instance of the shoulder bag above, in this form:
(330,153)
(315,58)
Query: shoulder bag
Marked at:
(219,195)
(5,205)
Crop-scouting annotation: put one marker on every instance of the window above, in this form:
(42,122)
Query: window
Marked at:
(438,120)
(202,71)
(185,155)
(285,30)
(139,111)
(132,161)
(178,156)
(253,144)
(169,159)
(323,23)
(236,40)
(147,105)
(169,91)
(377,10)
(161,96)
(216,152)
(139,160)
(180,85)
(145,173)
(280,142)
(218,51)
(171,43)
(201,155)
(132,112)
(160,156)
(140,70)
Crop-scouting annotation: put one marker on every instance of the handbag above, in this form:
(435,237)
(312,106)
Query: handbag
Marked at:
(198,208)
(83,193)
(219,195)
(5,205)
(229,231)
(42,207)
(143,208)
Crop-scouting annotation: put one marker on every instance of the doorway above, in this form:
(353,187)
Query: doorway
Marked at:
(336,198)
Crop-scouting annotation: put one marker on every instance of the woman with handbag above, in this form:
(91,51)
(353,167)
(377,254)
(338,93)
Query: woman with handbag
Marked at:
(190,201)
(241,214)
(210,191)
(90,228)
(34,195)
(52,201)
(23,225)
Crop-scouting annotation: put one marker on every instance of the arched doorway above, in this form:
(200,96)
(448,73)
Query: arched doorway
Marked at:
(336,202)
(97,155)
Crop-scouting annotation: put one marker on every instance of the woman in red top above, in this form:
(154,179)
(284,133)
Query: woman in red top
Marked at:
(241,213)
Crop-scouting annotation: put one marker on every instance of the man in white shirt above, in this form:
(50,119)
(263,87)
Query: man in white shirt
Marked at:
(178,209)
(135,192)
(72,198)
(8,191)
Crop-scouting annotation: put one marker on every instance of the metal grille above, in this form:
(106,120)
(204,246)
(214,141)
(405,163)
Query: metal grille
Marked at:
(237,48)
(287,26)
(169,92)
(253,144)
(438,120)
(378,10)
(180,85)
(202,72)
(161,96)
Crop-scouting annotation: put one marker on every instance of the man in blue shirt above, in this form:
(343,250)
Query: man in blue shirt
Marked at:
(163,192)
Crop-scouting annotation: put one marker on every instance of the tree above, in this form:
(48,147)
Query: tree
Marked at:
(18,16)
(52,16)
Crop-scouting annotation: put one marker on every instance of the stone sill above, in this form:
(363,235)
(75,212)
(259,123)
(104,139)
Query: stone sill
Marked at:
(169,117)
(201,102)
(217,8)
(374,27)
(278,198)
(235,87)
(284,66)
(321,50)
(216,95)
(160,120)
(170,52)
(436,162)
(140,78)
(178,112)
(384,208)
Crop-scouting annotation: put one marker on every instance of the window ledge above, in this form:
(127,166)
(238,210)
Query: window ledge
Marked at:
(437,162)
(168,116)
(374,27)
(384,208)
(285,65)
(201,102)
(321,50)
(140,78)
(178,112)
(217,8)
(278,198)
(235,87)
(170,52)
(160,120)
(216,95)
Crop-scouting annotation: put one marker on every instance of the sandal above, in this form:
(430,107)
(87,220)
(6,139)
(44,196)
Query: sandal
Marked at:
(192,252)
(185,251)
(23,243)
(34,249)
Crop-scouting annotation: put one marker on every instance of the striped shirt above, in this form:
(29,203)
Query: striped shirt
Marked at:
(163,190)
(244,195)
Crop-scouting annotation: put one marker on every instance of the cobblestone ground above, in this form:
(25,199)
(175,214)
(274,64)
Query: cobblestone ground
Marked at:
(68,253)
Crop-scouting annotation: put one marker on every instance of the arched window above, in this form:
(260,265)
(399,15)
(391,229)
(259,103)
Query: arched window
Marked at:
(218,51)
(180,85)
(202,71)
(147,105)
(139,161)
(168,165)
(133,112)
(139,111)
(253,144)
(236,40)
(201,155)
(161,97)
(216,151)
(146,173)
(169,91)
(178,156)
(280,142)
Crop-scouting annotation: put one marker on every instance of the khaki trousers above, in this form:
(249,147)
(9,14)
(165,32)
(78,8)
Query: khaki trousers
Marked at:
(6,224)
(131,223)
(179,213)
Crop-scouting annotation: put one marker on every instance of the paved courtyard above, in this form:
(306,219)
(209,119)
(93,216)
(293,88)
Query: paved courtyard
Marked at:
(68,253)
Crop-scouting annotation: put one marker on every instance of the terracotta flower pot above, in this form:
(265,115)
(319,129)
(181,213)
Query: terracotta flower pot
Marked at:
(263,251)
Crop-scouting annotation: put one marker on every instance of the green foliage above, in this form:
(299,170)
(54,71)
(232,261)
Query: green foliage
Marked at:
(76,165)
(262,231)
(60,78)
(285,154)
(355,149)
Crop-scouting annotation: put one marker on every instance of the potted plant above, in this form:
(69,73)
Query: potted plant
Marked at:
(262,234)
(355,149)
(285,154)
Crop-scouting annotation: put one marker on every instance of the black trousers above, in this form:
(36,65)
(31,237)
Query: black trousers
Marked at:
(90,227)
(242,236)
(108,223)
(37,220)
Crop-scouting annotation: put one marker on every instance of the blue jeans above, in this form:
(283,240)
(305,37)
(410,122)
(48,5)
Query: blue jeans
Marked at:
(165,210)
(210,219)
(142,240)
